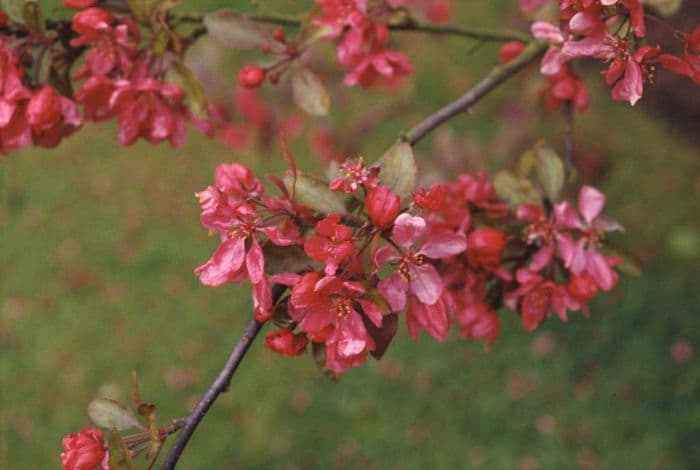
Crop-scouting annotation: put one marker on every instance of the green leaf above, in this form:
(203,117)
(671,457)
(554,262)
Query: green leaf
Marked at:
(516,190)
(665,7)
(34,18)
(285,259)
(398,169)
(14,9)
(108,413)
(234,30)
(195,97)
(631,263)
(143,10)
(119,455)
(315,194)
(310,93)
(550,172)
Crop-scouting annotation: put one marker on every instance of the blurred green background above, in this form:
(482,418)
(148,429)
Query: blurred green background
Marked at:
(99,243)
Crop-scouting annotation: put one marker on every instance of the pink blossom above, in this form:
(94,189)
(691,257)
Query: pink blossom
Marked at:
(582,255)
(332,245)
(415,277)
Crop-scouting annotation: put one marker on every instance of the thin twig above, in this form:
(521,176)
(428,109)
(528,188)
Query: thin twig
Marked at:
(219,386)
(497,76)
(410,25)
(569,137)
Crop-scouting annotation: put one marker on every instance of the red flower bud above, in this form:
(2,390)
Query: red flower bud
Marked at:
(285,342)
(510,51)
(79,3)
(251,76)
(582,287)
(279,35)
(383,206)
(484,247)
(84,450)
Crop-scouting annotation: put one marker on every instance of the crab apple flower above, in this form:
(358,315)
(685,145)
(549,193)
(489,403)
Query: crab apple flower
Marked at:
(417,280)
(432,199)
(355,174)
(541,231)
(332,245)
(582,255)
(629,76)
(51,117)
(284,342)
(383,206)
(84,450)
(15,131)
(381,63)
(91,25)
(478,321)
(329,310)
(149,109)
(582,287)
(484,247)
(251,76)
(636,12)
(537,297)
(237,180)
(565,86)
(339,14)
(689,65)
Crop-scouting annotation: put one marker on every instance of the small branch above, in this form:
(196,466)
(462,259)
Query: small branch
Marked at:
(462,31)
(410,25)
(219,386)
(569,137)
(497,76)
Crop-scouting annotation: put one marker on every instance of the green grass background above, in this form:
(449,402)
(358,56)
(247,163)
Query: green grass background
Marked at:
(99,243)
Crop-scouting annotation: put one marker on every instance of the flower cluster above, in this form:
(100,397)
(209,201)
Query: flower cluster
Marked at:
(362,49)
(352,256)
(612,31)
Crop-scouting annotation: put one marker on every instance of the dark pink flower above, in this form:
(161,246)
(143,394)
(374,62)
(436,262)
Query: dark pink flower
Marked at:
(332,245)
(537,297)
(84,450)
(284,342)
(331,310)
(355,174)
(478,321)
(52,117)
(484,247)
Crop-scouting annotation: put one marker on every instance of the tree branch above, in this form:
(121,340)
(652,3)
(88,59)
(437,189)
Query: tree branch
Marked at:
(409,25)
(497,76)
(219,386)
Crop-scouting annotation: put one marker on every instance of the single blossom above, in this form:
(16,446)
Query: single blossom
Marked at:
(332,245)
(84,450)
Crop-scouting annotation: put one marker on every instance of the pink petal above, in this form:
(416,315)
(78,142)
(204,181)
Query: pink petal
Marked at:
(546,32)
(600,270)
(255,262)
(566,216)
(542,257)
(224,264)
(425,283)
(431,317)
(407,229)
(385,254)
(530,213)
(590,203)
(372,311)
(393,289)
(444,245)
(351,335)
(552,61)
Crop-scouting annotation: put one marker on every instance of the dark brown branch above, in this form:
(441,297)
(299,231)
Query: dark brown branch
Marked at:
(409,25)
(497,76)
(219,386)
